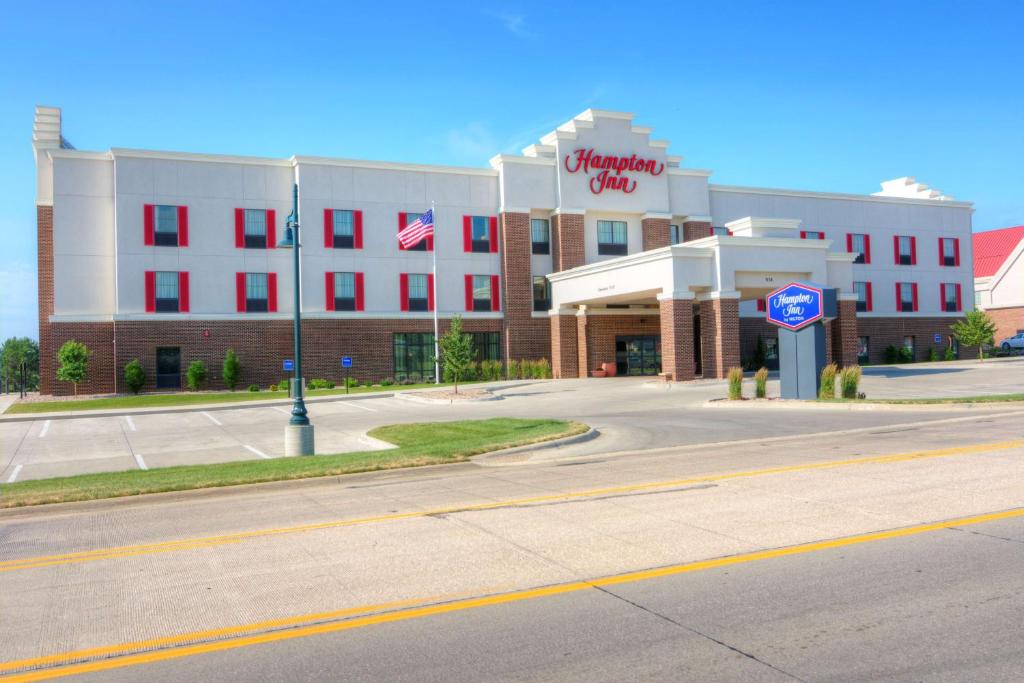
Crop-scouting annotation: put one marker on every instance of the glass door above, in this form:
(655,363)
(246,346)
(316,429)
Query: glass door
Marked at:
(168,368)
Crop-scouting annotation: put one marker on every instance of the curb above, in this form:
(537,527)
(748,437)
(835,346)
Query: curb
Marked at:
(485,458)
(416,397)
(866,406)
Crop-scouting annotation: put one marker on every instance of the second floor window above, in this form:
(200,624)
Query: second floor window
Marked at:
(859,244)
(256,292)
(611,238)
(540,235)
(255,229)
(675,236)
(541,293)
(165,226)
(419,292)
(344,231)
(166,292)
(906,297)
(812,235)
(949,251)
(720,232)
(479,295)
(480,234)
(905,249)
(950,297)
(344,291)
(863,290)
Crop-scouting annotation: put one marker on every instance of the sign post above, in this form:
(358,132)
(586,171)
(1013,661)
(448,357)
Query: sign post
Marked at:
(799,309)
(346,362)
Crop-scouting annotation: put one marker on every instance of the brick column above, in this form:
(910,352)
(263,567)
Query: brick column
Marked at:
(677,339)
(695,230)
(843,342)
(523,336)
(567,241)
(47,354)
(583,360)
(720,336)
(656,233)
(564,351)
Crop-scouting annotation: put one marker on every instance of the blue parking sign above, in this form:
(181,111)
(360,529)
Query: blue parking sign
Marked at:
(938,339)
(289,365)
(346,361)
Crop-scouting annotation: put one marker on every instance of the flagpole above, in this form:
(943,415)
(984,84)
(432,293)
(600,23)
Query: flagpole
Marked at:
(437,350)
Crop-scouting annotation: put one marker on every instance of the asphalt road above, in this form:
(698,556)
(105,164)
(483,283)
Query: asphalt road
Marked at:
(776,559)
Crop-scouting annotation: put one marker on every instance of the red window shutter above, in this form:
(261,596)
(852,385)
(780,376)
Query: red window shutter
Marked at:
(956,251)
(430,243)
(328,228)
(868,296)
(240,229)
(182,226)
(821,235)
(803,234)
(360,299)
(469,292)
(941,263)
(899,299)
(913,293)
(959,304)
(495,293)
(942,296)
(272,292)
(240,292)
(183,302)
(403,290)
(849,243)
(150,291)
(467,233)
(761,306)
(271,229)
(867,249)
(896,249)
(401,226)
(148,224)
(357,229)
(913,252)
(493,242)
(430,292)
(329,291)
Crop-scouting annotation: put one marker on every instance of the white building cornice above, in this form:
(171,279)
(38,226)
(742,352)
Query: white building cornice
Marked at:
(836,195)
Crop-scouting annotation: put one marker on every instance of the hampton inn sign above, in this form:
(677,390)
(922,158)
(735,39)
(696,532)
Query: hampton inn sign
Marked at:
(586,160)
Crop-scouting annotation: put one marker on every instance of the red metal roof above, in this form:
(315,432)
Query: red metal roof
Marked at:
(991,249)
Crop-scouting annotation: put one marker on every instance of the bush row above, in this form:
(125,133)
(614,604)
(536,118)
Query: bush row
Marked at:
(849,382)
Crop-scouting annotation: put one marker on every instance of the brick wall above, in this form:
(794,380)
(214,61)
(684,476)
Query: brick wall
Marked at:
(523,335)
(601,331)
(44,238)
(564,354)
(842,335)
(656,233)
(720,336)
(750,329)
(677,339)
(1008,321)
(695,230)
(567,241)
(882,332)
(99,337)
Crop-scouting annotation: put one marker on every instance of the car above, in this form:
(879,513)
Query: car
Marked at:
(1014,342)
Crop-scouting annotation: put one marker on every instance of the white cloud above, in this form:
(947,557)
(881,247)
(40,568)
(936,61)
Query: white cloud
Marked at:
(19,302)
(514,23)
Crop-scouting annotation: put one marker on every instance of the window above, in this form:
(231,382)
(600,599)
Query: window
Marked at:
(486,346)
(481,292)
(419,292)
(906,297)
(257,293)
(721,232)
(908,345)
(863,290)
(411,218)
(812,235)
(863,348)
(165,232)
(344,291)
(255,228)
(674,236)
(540,230)
(611,238)
(977,299)
(950,297)
(859,244)
(480,234)
(949,251)
(905,249)
(541,293)
(166,292)
(344,230)
(413,355)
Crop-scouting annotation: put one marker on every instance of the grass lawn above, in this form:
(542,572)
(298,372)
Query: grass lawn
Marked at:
(992,398)
(417,444)
(187,399)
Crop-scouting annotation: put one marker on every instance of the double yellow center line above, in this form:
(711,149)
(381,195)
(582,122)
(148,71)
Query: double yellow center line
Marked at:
(211,541)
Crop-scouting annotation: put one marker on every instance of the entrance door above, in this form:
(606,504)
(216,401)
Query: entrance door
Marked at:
(168,368)
(638,355)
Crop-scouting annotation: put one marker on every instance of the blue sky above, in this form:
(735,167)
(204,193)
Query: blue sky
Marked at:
(823,96)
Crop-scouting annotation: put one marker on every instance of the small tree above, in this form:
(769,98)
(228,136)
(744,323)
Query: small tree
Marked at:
(977,329)
(73,360)
(20,354)
(134,376)
(196,374)
(231,370)
(456,351)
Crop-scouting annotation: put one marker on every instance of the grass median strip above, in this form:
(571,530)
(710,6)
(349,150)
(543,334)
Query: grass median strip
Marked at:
(417,444)
(991,398)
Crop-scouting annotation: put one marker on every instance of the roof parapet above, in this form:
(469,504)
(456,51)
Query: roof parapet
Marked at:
(907,187)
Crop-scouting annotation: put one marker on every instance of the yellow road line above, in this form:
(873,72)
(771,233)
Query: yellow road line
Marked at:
(209,541)
(473,603)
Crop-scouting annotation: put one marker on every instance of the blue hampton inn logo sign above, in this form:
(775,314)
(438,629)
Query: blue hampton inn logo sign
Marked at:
(795,306)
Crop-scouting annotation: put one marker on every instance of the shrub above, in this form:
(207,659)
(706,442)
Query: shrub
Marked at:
(976,329)
(849,379)
(73,358)
(933,355)
(254,387)
(543,368)
(735,384)
(906,355)
(949,354)
(387,382)
(320,384)
(352,382)
(761,382)
(195,377)
(231,370)
(892,354)
(514,369)
(134,376)
(827,388)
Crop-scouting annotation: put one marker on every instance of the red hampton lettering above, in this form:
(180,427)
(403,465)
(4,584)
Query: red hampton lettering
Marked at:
(586,160)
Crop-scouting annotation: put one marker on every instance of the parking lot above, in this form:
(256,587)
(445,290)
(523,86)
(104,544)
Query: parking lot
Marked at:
(629,413)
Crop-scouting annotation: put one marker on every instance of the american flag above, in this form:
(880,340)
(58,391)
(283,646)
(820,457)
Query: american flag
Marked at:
(415,232)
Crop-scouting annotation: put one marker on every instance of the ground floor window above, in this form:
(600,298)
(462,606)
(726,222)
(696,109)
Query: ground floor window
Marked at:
(413,356)
(486,345)
(771,349)
(168,368)
(908,347)
(862,350)
(541,293)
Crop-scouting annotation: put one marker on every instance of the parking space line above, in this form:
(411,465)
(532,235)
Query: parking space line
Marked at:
(256,451)
(354,404)
(281,410)
(139,461)
(14,474)
(46,428)
(130,421)
(212,419)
